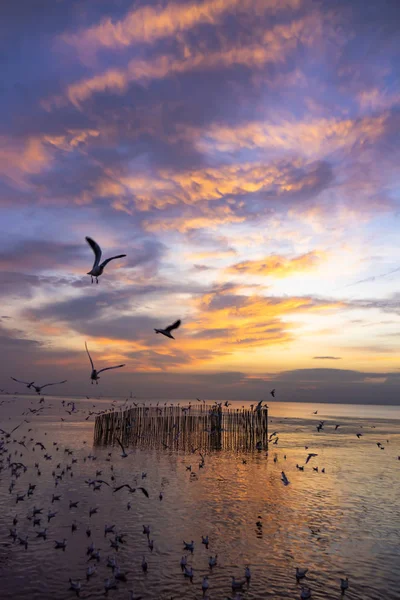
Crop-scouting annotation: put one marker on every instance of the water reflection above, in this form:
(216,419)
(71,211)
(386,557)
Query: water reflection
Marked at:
(343,522)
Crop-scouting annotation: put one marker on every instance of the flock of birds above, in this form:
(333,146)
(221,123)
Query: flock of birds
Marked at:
(14,453)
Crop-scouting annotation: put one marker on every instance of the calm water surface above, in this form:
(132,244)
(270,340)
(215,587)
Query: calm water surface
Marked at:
(345,522)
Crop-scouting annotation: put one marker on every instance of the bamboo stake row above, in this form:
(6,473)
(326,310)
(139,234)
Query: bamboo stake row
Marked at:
(200,427)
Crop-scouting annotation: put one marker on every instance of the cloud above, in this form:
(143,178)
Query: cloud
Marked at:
(327,357)
(147,25)
(39,255)
(278,266)
(274,46)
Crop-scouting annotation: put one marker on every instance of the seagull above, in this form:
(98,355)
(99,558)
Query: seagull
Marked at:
(188,572)
(212,561)
(167,330)
(75,585)
(272,392)
(38,388)
(95,374)
(305,593)
(300,573)
(284,478)
(344,584)
(205,585)
(98,268)
(237,585)
(310,456)
(124,454)
(131,489)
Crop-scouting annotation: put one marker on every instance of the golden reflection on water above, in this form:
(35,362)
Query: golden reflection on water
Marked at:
(343,522)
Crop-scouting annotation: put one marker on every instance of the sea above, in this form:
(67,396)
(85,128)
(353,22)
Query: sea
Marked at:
(340,521)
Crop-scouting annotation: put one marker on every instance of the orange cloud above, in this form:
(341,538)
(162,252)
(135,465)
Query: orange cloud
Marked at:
(194,187)
(149,24)
(278,266)
(22,157)
(272,46)
(310,138)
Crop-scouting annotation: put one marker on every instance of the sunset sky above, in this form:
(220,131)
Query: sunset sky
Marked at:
(244,154)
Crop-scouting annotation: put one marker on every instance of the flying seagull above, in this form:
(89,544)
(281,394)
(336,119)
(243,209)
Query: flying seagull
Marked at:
(272,392)
(131,489)
(98,268)
(94,376)
(38,388)
(124,454)
(167,330)
(310,456)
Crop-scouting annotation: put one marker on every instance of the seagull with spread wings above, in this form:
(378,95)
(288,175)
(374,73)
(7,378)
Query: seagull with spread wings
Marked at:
(38,388)
(167,330)
(98,268)
(310,456)
(131,489)
(94,376)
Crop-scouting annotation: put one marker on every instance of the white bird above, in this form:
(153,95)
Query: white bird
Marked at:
(300,573)
(42,534)
(109,529)
(189,545)
(94,376)
(183,561)
(344,584)
(188,571)
(167,330)
(75,585)
(237,584)
(305,593)
(90,571)
(144,564)
(98,268)
(110,584)
(119,575)
(212,561)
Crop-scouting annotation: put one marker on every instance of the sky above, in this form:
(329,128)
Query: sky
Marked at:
(244,154)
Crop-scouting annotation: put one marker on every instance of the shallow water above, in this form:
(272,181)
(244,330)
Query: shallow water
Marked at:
(355,506)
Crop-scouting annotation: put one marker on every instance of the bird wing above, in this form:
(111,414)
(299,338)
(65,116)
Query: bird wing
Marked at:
(96,249)
(145,492)
(102,481)
(108,368)
(16,427)
(120,444)
(173,326)
(105,262)
(90,358)
(122,486)
(55,383)
(19,381)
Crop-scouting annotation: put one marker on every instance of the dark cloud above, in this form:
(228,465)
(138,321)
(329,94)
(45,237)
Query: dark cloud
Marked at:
(39,255)
(327,357)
